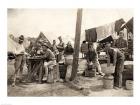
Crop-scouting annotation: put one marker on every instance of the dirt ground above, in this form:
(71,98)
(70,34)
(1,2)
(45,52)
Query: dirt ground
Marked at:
(90,86)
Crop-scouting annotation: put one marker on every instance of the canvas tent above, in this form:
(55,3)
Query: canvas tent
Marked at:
(13,41)
(11,45)
(11,48)
(34,43)
(42,38)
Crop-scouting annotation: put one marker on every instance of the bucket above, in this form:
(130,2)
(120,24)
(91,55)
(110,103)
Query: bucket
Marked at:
(108,81)
(129,84)
(50,78)
(56,73)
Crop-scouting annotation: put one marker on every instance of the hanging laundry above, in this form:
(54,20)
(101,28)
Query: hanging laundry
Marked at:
(91,35)
(128,25)
(110,28)
(125,33)
(87,38)
(106,30)
(118,24)
(101,32)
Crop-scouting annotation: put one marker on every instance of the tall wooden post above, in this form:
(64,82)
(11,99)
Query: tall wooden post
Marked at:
(76,44)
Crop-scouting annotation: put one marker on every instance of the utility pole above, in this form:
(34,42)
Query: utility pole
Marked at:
(76,44)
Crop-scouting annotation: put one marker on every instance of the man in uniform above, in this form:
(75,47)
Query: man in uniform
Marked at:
(49,57)
(55,50)
(68,53)
(92,57)
(60,48)
(116,58)
(121,43)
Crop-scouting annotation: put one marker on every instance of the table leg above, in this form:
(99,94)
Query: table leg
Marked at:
(40,72)
(29,71)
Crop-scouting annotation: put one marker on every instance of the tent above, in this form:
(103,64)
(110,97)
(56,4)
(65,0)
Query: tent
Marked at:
(12,41)
(11,45)
(11,48)
(42,38)
(34,43)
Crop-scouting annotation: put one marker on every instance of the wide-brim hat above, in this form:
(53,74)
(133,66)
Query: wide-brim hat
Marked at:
(59,37)
(21,38)
(107,44)
(46,45)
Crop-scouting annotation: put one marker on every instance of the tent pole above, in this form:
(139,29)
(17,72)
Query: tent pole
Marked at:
(76,44)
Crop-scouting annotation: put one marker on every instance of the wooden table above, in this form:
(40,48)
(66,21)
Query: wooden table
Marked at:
(35,64)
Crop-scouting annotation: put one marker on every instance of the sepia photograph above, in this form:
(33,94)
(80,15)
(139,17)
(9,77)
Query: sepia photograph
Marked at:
(62,52)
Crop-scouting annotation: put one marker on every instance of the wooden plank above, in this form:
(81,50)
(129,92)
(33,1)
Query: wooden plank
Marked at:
(76,44)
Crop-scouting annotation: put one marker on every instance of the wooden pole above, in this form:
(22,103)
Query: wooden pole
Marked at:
(76,44)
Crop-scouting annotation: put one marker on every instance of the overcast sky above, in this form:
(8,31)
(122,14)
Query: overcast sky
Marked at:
(56,22)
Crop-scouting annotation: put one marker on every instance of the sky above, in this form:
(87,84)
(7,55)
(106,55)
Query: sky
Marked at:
(60,22)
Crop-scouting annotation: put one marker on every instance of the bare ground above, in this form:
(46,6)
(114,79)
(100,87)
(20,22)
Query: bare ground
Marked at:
(90,86)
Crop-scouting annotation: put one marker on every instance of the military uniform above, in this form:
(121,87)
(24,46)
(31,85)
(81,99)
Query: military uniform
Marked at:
(60,48)
(50,61)
(117,58)
(121,43)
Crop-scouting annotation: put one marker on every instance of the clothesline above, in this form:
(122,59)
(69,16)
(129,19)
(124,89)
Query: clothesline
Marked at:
(98,33)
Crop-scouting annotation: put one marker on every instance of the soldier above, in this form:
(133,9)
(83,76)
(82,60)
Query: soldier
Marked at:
(92,57)
(49,58)
(60,48)
(84,49)
(55,50)
(68,53)
(116,58)
(121,43)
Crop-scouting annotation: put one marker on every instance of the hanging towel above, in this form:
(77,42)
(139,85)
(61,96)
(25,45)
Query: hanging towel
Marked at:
(128,25)
(106,30)
(91,35)
(118,24)
(101,32)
